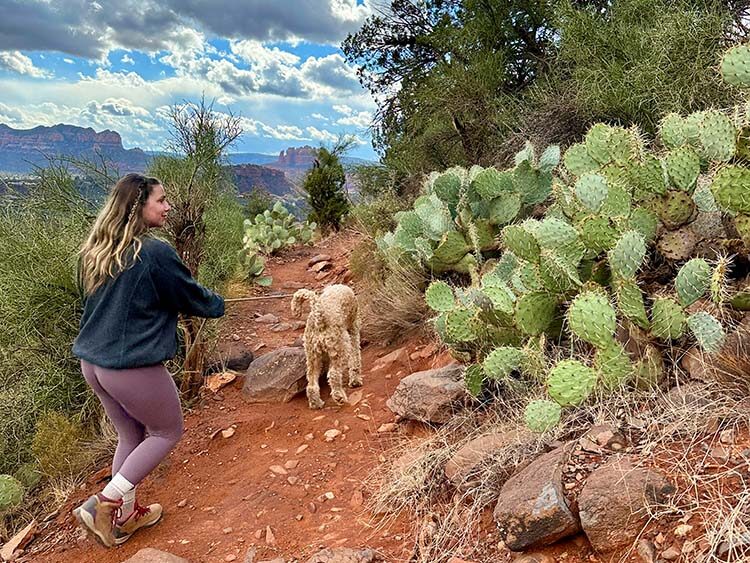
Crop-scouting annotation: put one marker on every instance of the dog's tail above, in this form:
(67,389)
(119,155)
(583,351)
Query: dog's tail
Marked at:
(299,298)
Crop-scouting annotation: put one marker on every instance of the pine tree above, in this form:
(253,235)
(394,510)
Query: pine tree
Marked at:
(325,188)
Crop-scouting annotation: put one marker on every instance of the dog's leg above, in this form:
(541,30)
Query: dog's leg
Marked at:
(314,371)
(355,363)
(339,366)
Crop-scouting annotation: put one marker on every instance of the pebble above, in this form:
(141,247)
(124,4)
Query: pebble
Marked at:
(682,530)
(182,503)
(670,554)
(302,448)
(227,530)
(292,480)
(363,416)
(291,464)
(230,557)
(387,427)
(278,470)
(332,434)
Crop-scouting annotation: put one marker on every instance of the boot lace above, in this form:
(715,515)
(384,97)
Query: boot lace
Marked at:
(140,511)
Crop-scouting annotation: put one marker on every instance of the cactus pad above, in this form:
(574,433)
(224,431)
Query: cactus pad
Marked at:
(598,234)
(676,209)
(707,331)
(683,166)
(718,136)
(542,415)
(535,312)
(672,131)
(502,361)
(667,319)
(645,222)
(630,302)
(452,248)
(521,242)
(692,281)
(742,224)
(504,208)
(735,66)
(491,183)
(462,324)
(447,187)
(570,383)
(731,189)
(613,365)
(591,190)
(550,158)
(11,492)
(578,161)
(439,296)
(592,318)
(627,255)
(677,245)
(473,378)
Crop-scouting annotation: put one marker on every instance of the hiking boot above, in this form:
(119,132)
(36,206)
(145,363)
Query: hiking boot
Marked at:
(97,516)
(141,517)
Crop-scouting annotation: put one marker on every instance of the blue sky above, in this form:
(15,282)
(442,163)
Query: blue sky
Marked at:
(120,64)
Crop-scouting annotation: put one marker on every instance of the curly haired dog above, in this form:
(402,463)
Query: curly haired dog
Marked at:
(331,338)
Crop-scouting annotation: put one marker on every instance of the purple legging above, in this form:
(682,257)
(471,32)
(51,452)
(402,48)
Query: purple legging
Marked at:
(144,408)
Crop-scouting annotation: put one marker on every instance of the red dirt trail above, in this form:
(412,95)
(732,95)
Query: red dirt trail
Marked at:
(219,494)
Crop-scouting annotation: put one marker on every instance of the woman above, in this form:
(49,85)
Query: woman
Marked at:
(134,287)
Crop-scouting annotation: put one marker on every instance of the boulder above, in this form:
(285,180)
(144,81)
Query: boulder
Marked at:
(613,499)
(531,510)
(151,555)
(276,377)
(471,455)
(430,396)
(345,555)
(236,357)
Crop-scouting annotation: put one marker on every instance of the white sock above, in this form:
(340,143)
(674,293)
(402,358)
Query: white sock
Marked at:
(128,503)
(117,487)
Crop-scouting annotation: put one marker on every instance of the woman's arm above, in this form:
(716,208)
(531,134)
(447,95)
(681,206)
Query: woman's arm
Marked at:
(177,288)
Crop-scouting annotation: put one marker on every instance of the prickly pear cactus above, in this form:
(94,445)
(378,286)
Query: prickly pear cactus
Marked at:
(613,365)
(718,136)
(707,330)
(667,319)
(627,256)
(11,492)
(592,318)
(630,302)
(502,361)
(439,297)
(570,383)
(692,281)
(683,167)
(535,312)
(542,415)
(731,189)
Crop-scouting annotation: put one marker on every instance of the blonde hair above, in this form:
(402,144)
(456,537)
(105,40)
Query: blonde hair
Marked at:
(114,242)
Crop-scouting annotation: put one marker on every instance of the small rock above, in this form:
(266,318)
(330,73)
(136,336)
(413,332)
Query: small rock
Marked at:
(683,530)
(299,517)
(388,427)
(670,554)
(301,449)
(728,436)
(357,499)
(151,555)
(312,507)
(230,557)
(647,550)
(227,530)
(278,470)
(291,464)
(363,416)
(292,480)
(182,503)
(322,265)
(332,434)
(18,542)
(270,538)
(534,558)
(268,318)
(318,258)
(329,495)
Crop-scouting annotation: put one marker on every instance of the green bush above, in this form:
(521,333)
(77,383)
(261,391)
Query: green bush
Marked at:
(325,188)
(376,217)
(224,231)
(257,201)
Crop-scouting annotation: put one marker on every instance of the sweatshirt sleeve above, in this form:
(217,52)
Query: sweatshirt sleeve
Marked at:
(177,288)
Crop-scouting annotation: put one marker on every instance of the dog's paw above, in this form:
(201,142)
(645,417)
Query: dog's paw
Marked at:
(316,404)
(340,397)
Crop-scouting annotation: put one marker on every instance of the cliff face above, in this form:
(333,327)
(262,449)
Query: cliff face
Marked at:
(20,149)
(249,176)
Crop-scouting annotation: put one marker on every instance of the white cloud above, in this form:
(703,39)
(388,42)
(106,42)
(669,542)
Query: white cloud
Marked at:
(15,61)
(126,59)
(343,108)
(320,116)
(363,119)
(321,134)
(69,61)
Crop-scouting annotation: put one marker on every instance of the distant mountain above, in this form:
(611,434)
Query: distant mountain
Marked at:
(251,176)
(22,149)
